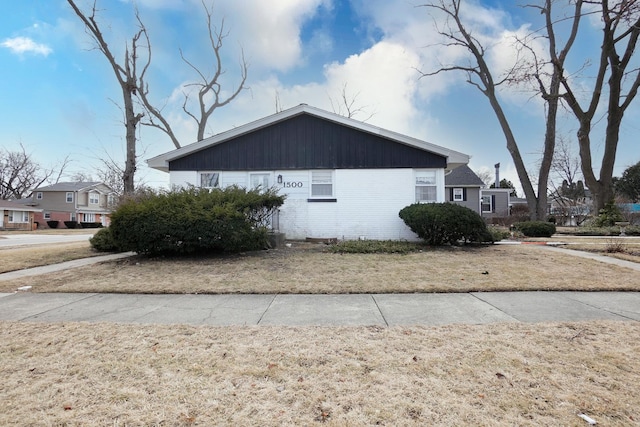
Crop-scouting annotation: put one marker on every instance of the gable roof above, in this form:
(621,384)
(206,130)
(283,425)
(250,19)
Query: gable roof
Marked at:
(462,176)
(15,206)
(72,186)
(453,158)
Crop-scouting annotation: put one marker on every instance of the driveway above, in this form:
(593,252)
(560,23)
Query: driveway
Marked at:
(11,240)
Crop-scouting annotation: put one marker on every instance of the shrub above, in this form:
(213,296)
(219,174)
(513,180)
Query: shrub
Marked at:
(195,220)
(71,224)
(608,216)
(498,233)
(536,228)
(374,246)
(103,241)
(91,224)
(445,223)
(53,224)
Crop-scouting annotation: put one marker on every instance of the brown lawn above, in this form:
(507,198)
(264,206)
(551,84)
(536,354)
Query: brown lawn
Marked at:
(306,268)
(490,375)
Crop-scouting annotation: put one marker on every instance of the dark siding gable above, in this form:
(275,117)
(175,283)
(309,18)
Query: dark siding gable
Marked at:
(307,142)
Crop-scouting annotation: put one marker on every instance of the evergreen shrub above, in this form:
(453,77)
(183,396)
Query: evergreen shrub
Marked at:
(445,223)
(195,220)
(536,228)
(103,241)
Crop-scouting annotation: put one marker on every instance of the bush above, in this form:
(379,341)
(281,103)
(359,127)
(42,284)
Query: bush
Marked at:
(498,233)
(195,220)
(71,224)
(536,228)
(103,241)
(91,224)
(445,223)
(608,216)
(53,224)
(374,246)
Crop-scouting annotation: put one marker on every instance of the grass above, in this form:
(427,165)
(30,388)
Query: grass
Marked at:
(27,257)
(310,268)
(498,375)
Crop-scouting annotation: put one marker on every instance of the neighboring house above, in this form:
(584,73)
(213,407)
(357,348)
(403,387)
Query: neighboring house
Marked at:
(464,187)
(16,216)
(73,201)
(342,178)
(496,203)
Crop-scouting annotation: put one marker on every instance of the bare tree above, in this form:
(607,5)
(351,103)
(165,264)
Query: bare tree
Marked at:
(615,84)
(20,174)
(526,67)
(346,105)
(127,76)
(209,86)
(566,189)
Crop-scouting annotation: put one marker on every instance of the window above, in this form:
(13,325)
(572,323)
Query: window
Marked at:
(259,181)
(321,183)
(39,195)
(210,180)
(18,216)
(47,215)
(72,216)
(487,203)
(69,196)
(89,217)
(426,188)
(94,198)
(458,195)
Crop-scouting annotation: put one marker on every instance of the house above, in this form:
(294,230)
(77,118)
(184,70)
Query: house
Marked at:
(16,216)
(342,178)
(496,204)
(464,187)
(73,201)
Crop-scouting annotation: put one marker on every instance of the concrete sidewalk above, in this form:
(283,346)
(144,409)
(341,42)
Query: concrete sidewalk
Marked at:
(323,310)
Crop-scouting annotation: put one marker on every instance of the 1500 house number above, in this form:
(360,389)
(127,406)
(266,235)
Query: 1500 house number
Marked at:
(292,184)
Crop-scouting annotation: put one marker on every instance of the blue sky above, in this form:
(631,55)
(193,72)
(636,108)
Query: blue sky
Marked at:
(59,98)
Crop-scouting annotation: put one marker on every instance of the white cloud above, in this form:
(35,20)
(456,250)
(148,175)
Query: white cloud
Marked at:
(22,45)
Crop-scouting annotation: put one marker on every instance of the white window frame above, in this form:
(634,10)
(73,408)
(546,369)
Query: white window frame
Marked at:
(18,217)
(426,179)
(210,177)
(262,186)
(490,203)
(89,217)
(72,216)
(69,197)
(46,215)
(94,198)
(322,179)
(39,195)
(458,195)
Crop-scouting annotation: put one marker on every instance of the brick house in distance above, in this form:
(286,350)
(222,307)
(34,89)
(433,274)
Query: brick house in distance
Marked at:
(73,201)
(16,216)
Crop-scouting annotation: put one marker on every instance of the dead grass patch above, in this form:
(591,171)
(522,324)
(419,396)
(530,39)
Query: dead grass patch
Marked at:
(18,258)
(499,375)
(310,269)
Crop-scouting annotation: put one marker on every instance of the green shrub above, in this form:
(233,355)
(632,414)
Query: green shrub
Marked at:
(498,233)
(195,220)
(103,241)
(53,224)
(536,228)
(608,216)
(71,224)
(374,246)
(445,223)
(90,225)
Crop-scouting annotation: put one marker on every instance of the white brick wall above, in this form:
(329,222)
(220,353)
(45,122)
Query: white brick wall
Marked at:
(367,202)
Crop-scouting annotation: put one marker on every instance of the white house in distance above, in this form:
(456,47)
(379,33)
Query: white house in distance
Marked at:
(342,178)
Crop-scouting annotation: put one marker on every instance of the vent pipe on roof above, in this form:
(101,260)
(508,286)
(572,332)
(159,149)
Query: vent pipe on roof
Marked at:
(497,166)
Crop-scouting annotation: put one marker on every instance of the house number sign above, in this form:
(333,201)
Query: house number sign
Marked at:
(292,184)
